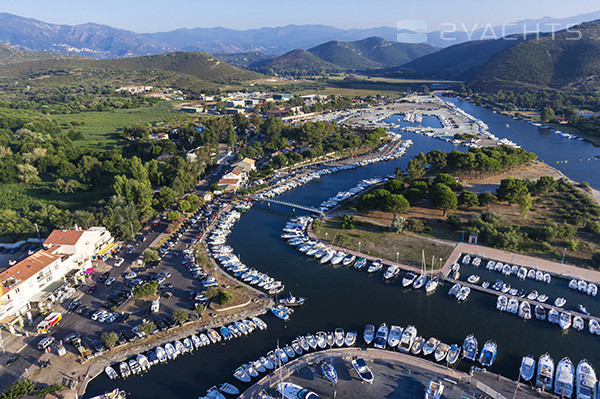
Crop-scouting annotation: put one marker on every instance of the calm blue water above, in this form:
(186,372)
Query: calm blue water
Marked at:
(342,297)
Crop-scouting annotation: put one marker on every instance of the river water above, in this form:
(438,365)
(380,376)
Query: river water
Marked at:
(346,298)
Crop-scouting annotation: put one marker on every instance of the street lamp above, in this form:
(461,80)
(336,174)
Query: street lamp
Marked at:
(326,236)
(359,246)
(397,255)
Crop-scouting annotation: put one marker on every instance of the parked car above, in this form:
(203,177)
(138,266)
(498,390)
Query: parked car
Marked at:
(103,277)
(13,359)
(129,250)
(119,262)
(74,304)
(45,342)
(130,275)
(97,345)
(109,281)
(91,289)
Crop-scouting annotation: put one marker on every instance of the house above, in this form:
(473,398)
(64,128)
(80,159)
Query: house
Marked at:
(158,136)
(237,176)
(282,97)
(192,110)
(47,276)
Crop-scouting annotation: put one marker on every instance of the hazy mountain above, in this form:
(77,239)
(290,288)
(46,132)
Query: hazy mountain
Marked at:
(553,61)
(93,40)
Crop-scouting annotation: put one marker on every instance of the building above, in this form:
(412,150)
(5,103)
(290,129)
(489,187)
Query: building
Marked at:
(236,177)
(192,110)
(282,96)
(158,136)
(48,275)
(134,89)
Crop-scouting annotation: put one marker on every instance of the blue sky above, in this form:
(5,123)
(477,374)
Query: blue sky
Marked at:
(162,15)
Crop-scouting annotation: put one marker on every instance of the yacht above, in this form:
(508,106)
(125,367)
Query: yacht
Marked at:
(338,257)
(290,300)
(394,336)
(565,320)
(417,346)
(430,346)
(441,351)
(408,279)
(348,259)
(391,272)
(327,256)
(454,290)
(321,340)
(463,294)
(453,354)
(470,348)
(124,369)
(381,336)
(488,353)
(527,368)
(363,371)
(406,340)
(369,334)
(431,284)
(434,390)
(545,373)
(564,379)
(585,381)
(375,267)
(293,391)
(328,370)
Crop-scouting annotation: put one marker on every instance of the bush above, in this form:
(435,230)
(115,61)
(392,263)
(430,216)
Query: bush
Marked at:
(18,389)
(147,327)
(454,222)
(146,290)
(415,225)
(150,255)
(593,227)
(180,316)
(224,297)
(572,245)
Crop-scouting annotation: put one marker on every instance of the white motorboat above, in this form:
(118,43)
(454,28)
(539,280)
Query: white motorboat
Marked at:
(406,340)
(339,337)
(124,369)
(470,348)
(143,362)
(408,279)
(391,272)
(350,338)
(453,354)
(266,363)
(381,337)
(170,349)
(488,354)
(111,373)
(501,303)
(578,323)
(592,289)
(525,310)
(512,306)
(466,260)
(430,346)
(394,336)
(560,302)
(585,381)
(533,295)
(527,369)
(542,298)
(564,379)
(454,290)
(565,320)
(463,294)
(293,391)
(540,312)
(473,279)
(441,351)
(360,263)
(348,259)
(134,367)
(161,354)
(545,373)
(338,258)
(229,389)
(594,327)
(434,390)
(362,370)
(375,267)
(417,346)
(213,393)
(420,281)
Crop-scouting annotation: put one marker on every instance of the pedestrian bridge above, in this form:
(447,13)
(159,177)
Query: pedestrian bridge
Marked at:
(290,204)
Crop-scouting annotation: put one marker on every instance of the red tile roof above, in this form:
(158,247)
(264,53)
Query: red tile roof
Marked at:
(64,237)
(27,267)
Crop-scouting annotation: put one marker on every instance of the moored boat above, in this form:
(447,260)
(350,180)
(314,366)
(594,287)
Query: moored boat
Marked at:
(381,337)
(545,373)
(585,381)
(430,346)
(369,333)
(564,379)
(488,354)
(527,368)
(362,370)
(470,348)
(434,390)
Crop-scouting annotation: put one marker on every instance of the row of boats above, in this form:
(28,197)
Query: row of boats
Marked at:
(172,350)
(302,344)
(506,269)
(584,287)
(407,341)
(344,195)
(564,378)
(294,182)
(564,318)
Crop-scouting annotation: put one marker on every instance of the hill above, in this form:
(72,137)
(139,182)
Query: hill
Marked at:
(458,62)
(559,61)
(296,62)
(244,60)
(12,55)
(370,53)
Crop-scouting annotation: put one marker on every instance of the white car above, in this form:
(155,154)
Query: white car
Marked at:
(119,262)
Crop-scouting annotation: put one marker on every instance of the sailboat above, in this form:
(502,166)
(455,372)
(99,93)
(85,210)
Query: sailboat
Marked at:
(422,279)
(329,372)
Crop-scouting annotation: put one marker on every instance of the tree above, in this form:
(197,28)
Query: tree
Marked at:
(511,190)
(394,186)
(396,203)
(525,203)
(546,185)
(166,197)
(146,290)
(184,206)
(547,114)
(397,224)
(18,390)
(121,218)
(147,327)
(468,199)
(180,316)
(443,198)
(487,198)
(109,339)
(415,169)
(199,309)
(150,255)
(224,297)
(448,180)
(173,215)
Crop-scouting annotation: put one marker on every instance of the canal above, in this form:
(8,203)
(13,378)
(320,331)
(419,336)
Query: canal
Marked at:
(346,298)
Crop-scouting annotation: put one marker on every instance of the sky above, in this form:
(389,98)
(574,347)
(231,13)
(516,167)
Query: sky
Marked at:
(164,15)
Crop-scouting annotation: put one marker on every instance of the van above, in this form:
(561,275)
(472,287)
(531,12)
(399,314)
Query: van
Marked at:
(45,342)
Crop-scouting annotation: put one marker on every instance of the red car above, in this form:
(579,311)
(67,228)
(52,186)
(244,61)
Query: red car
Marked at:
(156,223)
(91,289)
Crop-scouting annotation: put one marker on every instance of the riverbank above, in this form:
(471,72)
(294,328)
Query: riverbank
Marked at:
(395,376)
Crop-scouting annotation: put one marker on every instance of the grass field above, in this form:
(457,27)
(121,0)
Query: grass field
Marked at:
(104,127)
(377,241)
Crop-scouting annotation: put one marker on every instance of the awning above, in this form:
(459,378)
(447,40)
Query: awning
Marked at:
(89,271)
(106,249)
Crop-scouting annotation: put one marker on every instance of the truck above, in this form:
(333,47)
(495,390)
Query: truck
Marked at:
(50,321)
(81,348)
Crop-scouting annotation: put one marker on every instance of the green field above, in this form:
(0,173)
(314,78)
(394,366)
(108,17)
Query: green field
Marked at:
(104,127)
